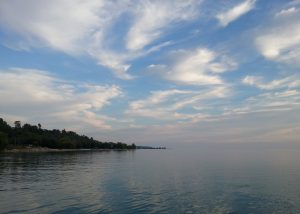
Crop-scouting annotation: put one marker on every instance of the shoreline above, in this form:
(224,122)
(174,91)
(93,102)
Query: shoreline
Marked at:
(45,149)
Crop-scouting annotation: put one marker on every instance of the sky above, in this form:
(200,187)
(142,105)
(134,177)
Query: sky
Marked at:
(154,72)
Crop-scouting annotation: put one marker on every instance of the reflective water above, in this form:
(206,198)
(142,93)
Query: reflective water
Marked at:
(209,180)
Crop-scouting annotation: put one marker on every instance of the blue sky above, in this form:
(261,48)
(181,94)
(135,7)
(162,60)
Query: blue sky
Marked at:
(159,72)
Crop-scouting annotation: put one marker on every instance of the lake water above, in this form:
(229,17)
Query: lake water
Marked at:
(208,180)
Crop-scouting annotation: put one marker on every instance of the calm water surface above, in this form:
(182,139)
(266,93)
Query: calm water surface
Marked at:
(208,180)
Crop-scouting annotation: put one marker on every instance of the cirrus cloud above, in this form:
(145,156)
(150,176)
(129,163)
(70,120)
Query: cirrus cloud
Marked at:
(36,95)
(225,18)
(78,27)
(200,66)
(280,40)
(286,82)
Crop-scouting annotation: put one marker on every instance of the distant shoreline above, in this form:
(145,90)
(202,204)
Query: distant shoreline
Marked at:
(45,149)
(32,138)
(27,136)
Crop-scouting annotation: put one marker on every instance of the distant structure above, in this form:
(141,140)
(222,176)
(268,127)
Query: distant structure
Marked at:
(150,147)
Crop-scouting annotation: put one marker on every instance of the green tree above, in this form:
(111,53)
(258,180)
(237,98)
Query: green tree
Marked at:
(36,136)
(67,143)
(3,141)
(17,124)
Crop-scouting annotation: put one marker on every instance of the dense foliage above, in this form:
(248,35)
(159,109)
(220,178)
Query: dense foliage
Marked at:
(35,136)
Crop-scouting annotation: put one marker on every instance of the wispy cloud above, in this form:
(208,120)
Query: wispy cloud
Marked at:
(284,100)
(287,12)
(85,27)
(273,101)
(152,17)
(280,41)
(225,18)
(193,93)
(199,66)
(255,127)
(286,82)
(62,25)
(36,95)
(168,104)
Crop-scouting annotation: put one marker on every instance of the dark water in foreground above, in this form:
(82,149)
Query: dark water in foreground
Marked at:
(209,180)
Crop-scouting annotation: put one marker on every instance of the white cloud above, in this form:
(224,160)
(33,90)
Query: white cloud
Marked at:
(274,101)
(214,119)
(234,13)
(61,25)
(89,27)
(157,105)
(35,95)
(286,12)
(73,26)
(166,105)
(250,120)
(255,127)
(280,41)
(199,67)
(257,81)
(114,61)
(285,100)
(151,18)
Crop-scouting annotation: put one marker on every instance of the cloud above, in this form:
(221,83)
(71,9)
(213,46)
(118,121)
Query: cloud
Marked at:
(201,103)
(211,104)
(280,41)
(225,18)
(151,18)
(37,96)
(157,105)
(286,12)
(90,28)
(259,118)
(274,101)
(61,25)
(170,104)
(257,81)
(200,66)
(255,127)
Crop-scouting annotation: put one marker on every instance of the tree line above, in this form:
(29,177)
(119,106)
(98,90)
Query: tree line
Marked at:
(35,136)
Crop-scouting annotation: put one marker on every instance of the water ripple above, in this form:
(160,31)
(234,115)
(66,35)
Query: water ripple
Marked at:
(149,182)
